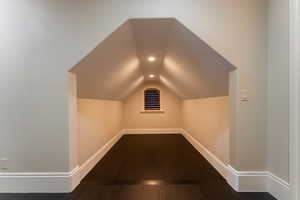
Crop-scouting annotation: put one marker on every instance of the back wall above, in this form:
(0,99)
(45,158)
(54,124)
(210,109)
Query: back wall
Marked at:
(133,118)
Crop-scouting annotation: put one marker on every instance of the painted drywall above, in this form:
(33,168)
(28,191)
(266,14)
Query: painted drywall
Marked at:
(278,89)
(42,40)
(112,70)
(207,120)
(99,121)
(134,104)
(204,73)
(151,37)
(73,120)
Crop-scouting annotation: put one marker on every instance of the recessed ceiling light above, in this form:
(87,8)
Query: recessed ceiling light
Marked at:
(151,59)
(151,76)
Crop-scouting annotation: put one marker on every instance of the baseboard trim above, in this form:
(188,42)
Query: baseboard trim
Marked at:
(259,181)
(52,182)
(248,181)
(37,182)
(153,131)
(219,165)
(64,182)
(243,181)
(89,164)
(279,188)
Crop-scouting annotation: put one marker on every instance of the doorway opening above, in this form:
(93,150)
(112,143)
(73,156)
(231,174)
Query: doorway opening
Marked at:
(198,91)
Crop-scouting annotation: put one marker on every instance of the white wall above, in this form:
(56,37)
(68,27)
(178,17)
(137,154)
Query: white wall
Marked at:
(114,57)
(203,72)
(99,121)
(42,40)
(134,104)
(207,120)
(278,89)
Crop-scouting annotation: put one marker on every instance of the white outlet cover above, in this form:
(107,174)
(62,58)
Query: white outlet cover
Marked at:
(3,163)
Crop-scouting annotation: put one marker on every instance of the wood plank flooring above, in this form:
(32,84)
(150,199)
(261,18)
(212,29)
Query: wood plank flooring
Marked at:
(150,167)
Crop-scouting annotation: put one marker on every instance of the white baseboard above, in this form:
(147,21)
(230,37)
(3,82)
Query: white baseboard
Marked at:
(220,166)
(64,182)
(279,188)
(88,165)
(153,131)
(243,181)
(52,182)
(247,181)
(43,182)
(259,181)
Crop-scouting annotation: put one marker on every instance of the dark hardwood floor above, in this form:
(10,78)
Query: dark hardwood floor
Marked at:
(150,167)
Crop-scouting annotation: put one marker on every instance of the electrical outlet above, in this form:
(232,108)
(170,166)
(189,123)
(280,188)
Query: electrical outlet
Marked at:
(3,163)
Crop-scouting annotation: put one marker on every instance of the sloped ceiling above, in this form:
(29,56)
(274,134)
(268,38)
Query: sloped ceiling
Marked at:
(184,63)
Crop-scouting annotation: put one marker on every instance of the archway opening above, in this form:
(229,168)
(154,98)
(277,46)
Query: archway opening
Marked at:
(198,88)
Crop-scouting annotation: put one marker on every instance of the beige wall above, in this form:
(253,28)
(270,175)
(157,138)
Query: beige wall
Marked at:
(134,104)
(99,121)
(207,121)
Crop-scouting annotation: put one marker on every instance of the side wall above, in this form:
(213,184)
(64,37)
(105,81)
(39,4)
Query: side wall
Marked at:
(278,89)
(99,121)
(207,121)
(134,104)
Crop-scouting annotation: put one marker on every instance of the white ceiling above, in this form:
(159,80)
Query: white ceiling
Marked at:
(184,63)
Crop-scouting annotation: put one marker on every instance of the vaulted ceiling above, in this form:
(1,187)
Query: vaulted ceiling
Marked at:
(184,63)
